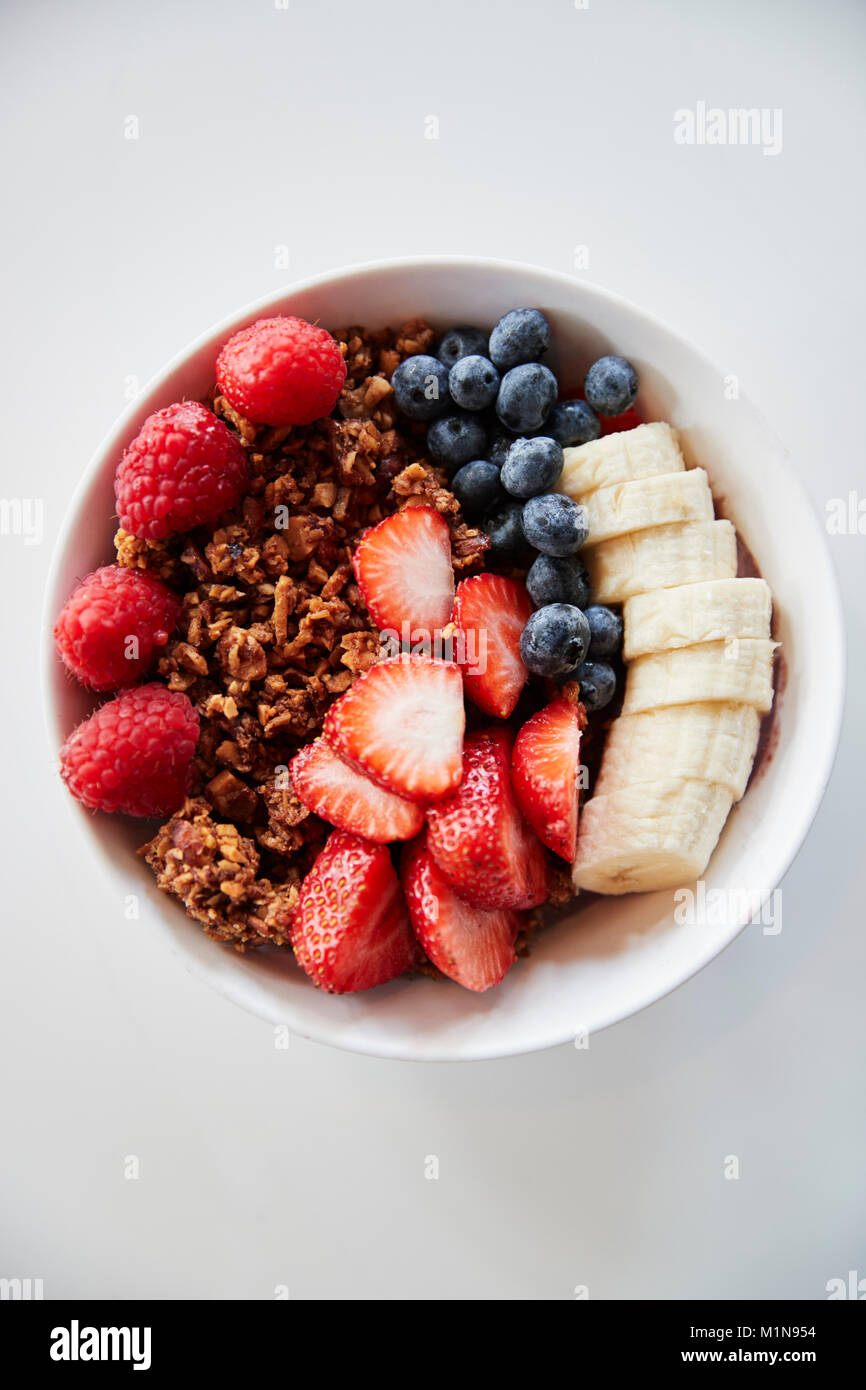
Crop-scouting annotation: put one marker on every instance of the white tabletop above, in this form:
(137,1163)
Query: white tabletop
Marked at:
(264,126)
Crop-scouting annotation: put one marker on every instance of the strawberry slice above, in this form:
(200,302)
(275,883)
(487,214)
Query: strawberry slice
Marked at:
(351,929)
(544,771)
(614,424)
(403,569)
(333,790)
(402,724)
(479,838)
(471,945)
(491,612)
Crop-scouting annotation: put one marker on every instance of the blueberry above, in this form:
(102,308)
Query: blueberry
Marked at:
(605,629)
(463,341)
(555,639)
(477,488)
(554,524)
(611,385)
(501,441)
(473,382)
(421,387)
(553,580)
(504,526)
(455,439)
(572,423)
(597,681)
(526,397)
(521,336)
(532,466)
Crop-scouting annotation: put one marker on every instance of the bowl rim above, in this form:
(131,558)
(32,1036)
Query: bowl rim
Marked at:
(833,638)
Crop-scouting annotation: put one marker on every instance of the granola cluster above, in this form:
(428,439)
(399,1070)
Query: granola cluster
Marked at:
(273,629)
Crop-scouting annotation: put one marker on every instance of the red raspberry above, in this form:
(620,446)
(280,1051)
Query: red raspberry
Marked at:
(182,469)
(281,371)
(111,628)
(134,754)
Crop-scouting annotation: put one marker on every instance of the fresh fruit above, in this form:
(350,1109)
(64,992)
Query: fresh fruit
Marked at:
(472,945)
(500,442)
(281,371)
(605,631)
(649,836)
(624,507)
(572,423)
(421,387)
(184,468)
(555,524)
(330,788)
(112,627)
(455,439)
(526,397)
(597,681)
(617,424)
(134,754)
(555,639)
(558,579)
(504,526)
(621,458)
(532,466)
(735,669)
(689,613)
(663,556)
(402,724)
(714,741)
(473,382)
(611,385)
(462,341)
(403,569)
(545,772)
(491,612)
(351,929)
(478,836)
(522,335)
(477,487)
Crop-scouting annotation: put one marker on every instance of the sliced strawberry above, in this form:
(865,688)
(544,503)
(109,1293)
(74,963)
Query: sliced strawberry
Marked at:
(351,930)
(491,612)
(479,838)
(333,790)
(402,724)
(403,569)
(545,766)
(471,945)
(614,424)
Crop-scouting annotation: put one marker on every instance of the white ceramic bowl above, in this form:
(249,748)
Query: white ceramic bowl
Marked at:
(604,963)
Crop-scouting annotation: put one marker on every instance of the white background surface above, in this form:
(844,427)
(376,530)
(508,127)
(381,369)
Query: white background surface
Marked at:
(304,128)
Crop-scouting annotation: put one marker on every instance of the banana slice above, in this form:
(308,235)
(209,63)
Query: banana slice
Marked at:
(714,742)
(691,613)
(740,669)
(683,553)
(619,458)
(648,836)
(624,507)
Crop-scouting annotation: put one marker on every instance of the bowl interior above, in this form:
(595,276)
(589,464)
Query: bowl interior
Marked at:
(602,962)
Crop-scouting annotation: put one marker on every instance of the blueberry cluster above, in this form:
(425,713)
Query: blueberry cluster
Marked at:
(492,415)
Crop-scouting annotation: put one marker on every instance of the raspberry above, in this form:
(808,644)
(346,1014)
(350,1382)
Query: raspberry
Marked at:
(182,469)
(134,754)
(111,628)
(281,371)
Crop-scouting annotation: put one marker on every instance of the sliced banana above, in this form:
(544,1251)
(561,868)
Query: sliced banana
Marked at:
(683,553)
(689,613)
(740,669)
(619,458)
(636,506)
(711,742)
(648,836)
